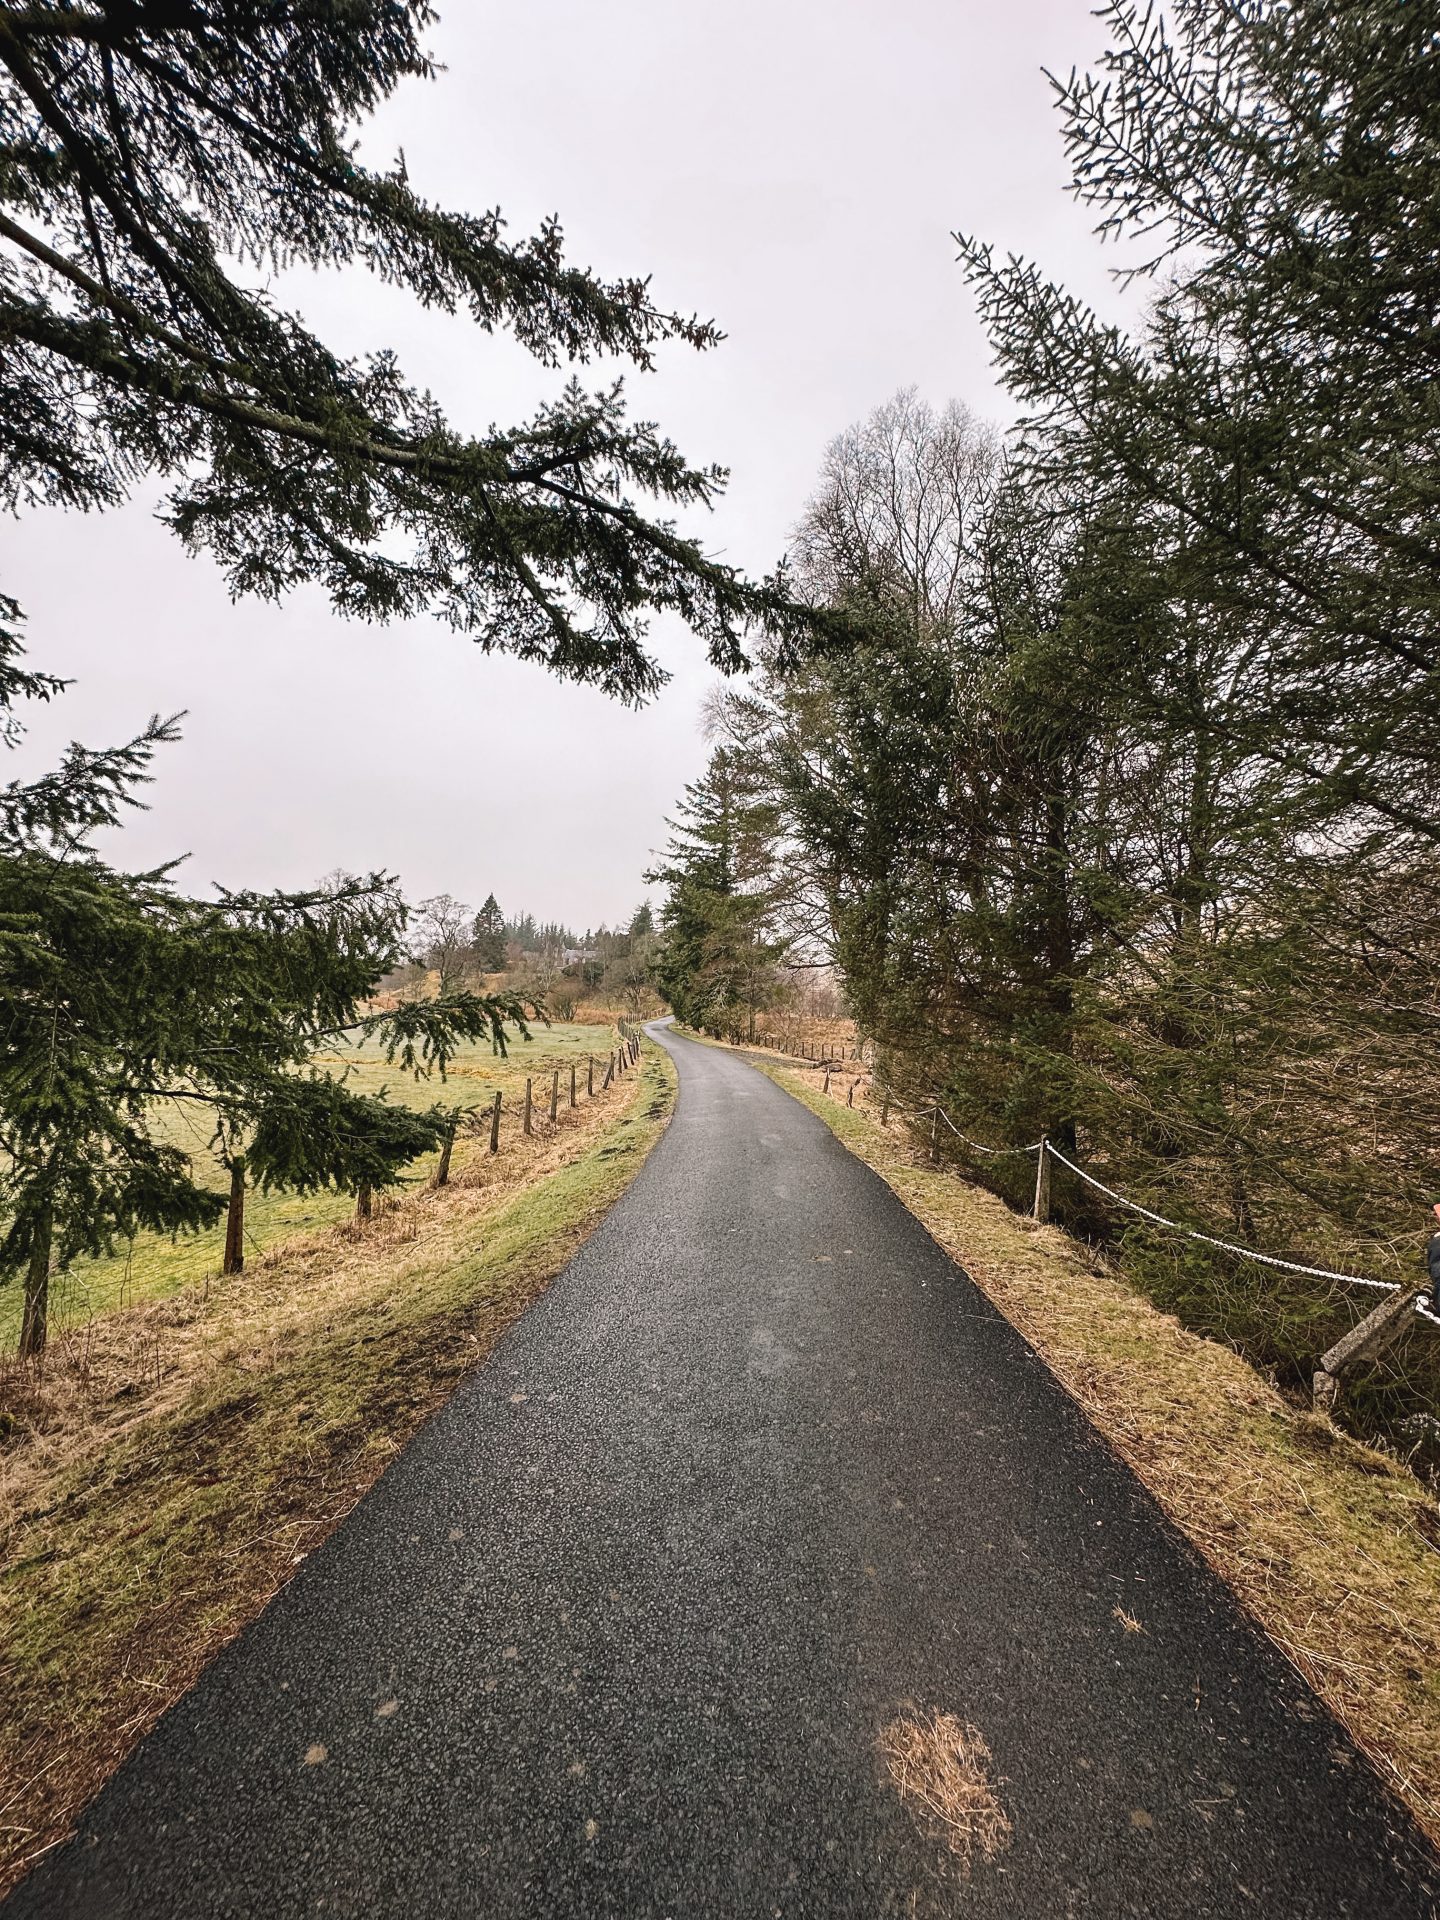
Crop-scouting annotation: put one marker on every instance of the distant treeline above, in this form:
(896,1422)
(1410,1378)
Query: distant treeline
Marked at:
(545,962)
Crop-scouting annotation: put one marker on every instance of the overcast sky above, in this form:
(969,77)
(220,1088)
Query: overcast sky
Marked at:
(794,169)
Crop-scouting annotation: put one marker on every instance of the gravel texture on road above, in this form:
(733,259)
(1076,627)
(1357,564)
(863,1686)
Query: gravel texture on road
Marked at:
(619,1634)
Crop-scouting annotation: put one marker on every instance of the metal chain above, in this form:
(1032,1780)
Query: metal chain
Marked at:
(1160,1220)
(1226,1246)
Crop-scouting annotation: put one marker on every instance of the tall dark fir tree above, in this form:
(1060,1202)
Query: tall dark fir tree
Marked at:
(488,936)
(721,952)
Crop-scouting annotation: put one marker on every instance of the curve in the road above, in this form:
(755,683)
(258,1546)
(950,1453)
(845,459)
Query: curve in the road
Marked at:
(618,1633)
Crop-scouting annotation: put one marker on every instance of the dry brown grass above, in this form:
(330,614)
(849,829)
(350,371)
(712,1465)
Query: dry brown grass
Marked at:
(940,1767)
(783,1031)
(1331,1546)
(171,1467)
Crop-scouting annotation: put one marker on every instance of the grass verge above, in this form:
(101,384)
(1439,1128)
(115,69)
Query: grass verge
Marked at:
(153,1501)
(1330,1546)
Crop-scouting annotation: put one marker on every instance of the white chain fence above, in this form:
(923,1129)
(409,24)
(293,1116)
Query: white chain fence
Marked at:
(936,1113)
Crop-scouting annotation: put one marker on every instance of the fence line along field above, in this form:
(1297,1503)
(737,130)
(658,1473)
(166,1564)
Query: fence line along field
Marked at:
(154,1266)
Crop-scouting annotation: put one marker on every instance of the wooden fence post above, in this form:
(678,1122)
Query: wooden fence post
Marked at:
(885,1110)
(495,1126)
(572,1083)
(609,1073)
(528,1102)
(590,1076)
(826,1087)
(555,1097)
(1042,1181)
(1365,1342)
(935,1136)
(850,1097)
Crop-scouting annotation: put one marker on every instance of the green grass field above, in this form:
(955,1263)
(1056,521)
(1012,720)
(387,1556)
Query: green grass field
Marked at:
(154,1266)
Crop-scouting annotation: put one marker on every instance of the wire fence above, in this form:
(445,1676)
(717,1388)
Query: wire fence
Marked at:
(546,1095)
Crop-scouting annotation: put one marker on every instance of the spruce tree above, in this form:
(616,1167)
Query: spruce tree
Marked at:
(488,936)
(720,958)
(1269,428)
(157,163)
(120,996)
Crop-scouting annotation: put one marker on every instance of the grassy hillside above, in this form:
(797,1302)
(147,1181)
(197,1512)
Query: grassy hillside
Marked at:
(161,1481)
(155,1267)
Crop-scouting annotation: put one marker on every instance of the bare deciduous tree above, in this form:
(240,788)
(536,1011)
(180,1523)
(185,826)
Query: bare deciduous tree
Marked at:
(899,494)
(442,935)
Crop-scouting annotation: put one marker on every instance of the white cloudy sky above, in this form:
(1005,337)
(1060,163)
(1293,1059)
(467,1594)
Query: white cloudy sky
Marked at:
(793,168)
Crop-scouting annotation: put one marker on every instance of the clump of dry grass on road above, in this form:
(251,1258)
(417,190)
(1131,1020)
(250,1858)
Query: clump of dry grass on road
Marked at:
(1331,1546)
(159,1483)
(940,1767)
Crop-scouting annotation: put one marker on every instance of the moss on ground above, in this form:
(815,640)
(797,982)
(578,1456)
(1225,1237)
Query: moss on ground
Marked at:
(1330,1546)
(146,1528)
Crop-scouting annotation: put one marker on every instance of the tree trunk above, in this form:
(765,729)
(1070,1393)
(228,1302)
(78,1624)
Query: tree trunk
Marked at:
(447,1147)
(234,1261)
(35,1325)
(1059,955)
(364,1202)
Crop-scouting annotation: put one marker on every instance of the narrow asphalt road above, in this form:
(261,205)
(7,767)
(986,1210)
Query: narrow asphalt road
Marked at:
(617,1634)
